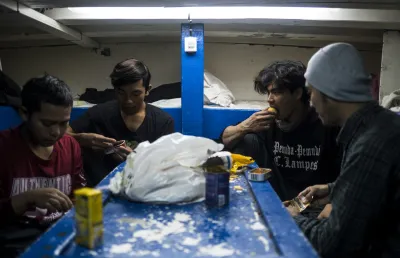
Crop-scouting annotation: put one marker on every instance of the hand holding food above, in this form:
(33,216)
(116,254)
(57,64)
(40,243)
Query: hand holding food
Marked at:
(316,194)
(259,121)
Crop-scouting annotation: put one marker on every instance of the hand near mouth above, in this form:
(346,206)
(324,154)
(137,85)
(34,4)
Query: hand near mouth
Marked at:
(259,121)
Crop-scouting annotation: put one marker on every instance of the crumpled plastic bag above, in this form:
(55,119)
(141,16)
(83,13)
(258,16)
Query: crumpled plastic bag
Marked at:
(240,161)
(166,171)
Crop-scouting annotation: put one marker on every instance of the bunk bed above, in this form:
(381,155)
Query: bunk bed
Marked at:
(217,113)
(216,118)
(210,118)
(10,117)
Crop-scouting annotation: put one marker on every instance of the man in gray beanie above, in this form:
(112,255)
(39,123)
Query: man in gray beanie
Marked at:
(365,198)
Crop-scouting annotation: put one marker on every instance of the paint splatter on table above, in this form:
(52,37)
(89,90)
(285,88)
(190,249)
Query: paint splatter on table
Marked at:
(241,229)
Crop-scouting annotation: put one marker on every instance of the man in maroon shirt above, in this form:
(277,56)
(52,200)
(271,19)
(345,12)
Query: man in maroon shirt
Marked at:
(40,165)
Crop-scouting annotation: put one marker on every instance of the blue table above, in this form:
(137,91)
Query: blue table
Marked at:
(255,224)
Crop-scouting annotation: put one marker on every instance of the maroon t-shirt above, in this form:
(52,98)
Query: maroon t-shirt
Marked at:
(21,170)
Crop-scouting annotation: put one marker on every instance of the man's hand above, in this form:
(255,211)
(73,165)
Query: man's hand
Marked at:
(95,141)
(325,212)
(291,209)
(316,194)
(121,152)
(257,122)
(46,198)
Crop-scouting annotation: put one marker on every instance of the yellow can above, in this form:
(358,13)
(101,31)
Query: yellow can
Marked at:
(89,217)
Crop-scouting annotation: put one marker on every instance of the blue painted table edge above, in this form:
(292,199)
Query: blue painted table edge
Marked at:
(288,238)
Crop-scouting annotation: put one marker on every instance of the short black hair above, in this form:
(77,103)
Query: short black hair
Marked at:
(130,71)
(285,74)
(45,89)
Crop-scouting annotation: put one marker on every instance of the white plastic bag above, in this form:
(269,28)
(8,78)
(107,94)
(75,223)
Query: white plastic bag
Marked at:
(166,171)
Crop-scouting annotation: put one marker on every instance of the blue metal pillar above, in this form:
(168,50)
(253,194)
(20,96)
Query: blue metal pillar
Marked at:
(192,73)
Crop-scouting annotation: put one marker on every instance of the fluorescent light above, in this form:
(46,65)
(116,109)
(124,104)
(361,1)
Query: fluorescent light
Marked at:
(138,13)
(244,12)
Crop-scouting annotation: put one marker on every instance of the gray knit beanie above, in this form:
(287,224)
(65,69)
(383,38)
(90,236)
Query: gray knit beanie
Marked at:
(337,71)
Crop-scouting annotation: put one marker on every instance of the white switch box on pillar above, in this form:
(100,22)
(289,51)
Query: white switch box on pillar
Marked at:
(390,66)
(190,44)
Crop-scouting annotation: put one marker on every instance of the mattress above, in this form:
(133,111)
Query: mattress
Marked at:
(82,104)
(238,104)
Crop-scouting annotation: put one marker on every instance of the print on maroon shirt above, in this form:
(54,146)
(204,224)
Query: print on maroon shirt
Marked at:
(22,170)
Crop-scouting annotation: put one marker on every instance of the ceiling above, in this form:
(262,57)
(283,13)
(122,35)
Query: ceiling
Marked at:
(17,30)
(383,4)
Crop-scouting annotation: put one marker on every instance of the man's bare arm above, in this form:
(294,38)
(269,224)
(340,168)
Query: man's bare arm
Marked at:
(257,122)
(233,134)
(91,140)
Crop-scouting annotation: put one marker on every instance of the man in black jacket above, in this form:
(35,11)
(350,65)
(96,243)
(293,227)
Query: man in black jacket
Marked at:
(293,143)
(364,220)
